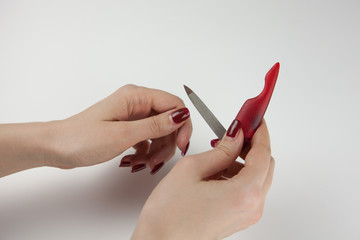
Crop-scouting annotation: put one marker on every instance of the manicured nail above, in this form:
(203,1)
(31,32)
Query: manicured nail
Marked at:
(214,142)
(186,149)
(124,164)
(138,167)
(233,129)
(180,115)
(126,161)
(157,168)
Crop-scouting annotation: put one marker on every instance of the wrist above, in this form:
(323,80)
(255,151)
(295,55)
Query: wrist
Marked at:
(25,145)
(149,229)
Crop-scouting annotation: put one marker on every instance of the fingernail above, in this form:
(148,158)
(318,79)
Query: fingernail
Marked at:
(214,142)
(180,115)
(124,164)
(138,167)
(186,149)
(233,129)
(157,168)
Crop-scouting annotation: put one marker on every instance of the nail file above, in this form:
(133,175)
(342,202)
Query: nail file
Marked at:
(251,113)
(205,112)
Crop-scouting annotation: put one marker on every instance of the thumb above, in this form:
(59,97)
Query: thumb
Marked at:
(157,126)
(223,155)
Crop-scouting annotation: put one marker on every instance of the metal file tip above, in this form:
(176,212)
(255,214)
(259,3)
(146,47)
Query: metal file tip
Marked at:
(187,89)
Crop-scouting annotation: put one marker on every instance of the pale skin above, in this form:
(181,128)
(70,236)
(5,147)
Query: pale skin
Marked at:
(205,196)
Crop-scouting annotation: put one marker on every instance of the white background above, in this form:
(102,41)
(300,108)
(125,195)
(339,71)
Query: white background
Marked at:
(59,57)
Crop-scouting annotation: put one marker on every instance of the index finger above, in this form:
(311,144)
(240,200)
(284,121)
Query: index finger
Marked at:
(160,101)
(257,161)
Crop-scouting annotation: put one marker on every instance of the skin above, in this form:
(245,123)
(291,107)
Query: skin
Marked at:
(130,117)
(206,196)
(209,195)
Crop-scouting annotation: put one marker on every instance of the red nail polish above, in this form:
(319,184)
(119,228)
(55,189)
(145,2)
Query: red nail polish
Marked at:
(186,149)
(157,168)
(180,115)
(253,110)
(234,128)
(125,164)
(126,161)
(214,142)
(138,167)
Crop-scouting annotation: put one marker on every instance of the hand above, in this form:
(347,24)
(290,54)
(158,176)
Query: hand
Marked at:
(209,195)
(151,121)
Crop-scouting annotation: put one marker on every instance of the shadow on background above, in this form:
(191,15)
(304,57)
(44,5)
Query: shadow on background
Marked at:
(95,201)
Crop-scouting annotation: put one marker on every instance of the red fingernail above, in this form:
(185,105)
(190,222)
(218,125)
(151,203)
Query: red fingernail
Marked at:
(233,129)
(180,115)
(157,168)
(138,167)
(186,149)
(125,164)
(214,142)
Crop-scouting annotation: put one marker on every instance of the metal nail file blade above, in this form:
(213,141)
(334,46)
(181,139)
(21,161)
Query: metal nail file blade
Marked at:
(205,112)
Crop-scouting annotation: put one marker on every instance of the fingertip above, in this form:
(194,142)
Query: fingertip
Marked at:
(183,153)
(126,161)
(183,136)
(180,115)
(214,142)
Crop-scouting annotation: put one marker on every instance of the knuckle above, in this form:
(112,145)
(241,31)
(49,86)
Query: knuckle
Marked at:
(223,150)
(155,124)
(127,87)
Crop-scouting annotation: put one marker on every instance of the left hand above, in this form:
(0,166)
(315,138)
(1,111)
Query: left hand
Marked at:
(132,116)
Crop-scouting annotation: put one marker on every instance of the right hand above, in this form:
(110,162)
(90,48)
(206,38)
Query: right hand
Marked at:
(194,202)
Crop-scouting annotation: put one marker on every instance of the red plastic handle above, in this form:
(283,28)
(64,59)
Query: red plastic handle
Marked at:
(253,110)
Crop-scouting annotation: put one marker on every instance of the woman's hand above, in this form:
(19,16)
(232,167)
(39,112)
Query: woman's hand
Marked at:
(209,195)
(151,121)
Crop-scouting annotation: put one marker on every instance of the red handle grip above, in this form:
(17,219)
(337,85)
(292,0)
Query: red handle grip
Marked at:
(253,110)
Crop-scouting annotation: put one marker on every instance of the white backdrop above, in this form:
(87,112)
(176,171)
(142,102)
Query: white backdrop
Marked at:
(59,57)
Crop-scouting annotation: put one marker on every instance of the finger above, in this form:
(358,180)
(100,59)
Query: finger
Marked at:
(183,137)
(160,151)
(158,100)
(161,101)
(269,176)
(257,161)
(155,126)
(214,142)
(163,152)
(126,160)
(211,162)
(141,148)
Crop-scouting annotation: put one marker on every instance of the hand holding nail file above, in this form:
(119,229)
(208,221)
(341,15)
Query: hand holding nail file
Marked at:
(250,114)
